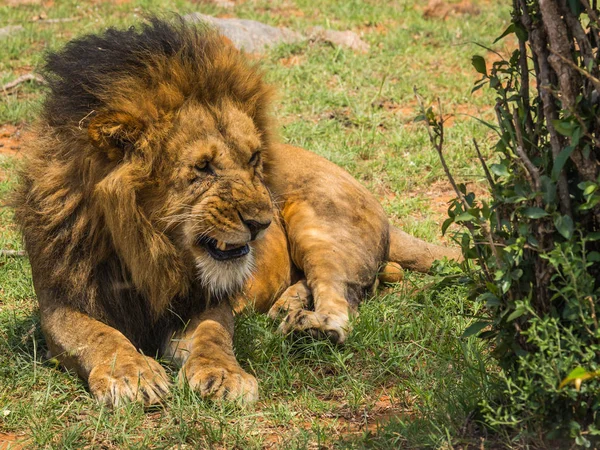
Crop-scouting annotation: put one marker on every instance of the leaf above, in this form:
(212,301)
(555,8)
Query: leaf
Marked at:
(564,225)
(576,376)
(474,328)
(576,7)
(593,256)
(564,127)
(534,212)
(590,189)
(489,299)
(560,161)
(510,29)
(521,32)
(479,63)
(499,170)
(516,314)
(449,221)
(477,87)
(465,217)
(548,189)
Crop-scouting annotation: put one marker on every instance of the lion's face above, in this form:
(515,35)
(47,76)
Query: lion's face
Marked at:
(216,201)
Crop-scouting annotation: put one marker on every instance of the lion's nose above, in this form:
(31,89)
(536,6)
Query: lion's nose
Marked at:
(255,227)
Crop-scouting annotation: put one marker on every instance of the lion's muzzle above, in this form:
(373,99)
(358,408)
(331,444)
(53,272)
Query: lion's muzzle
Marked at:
(255,227)
(222,251)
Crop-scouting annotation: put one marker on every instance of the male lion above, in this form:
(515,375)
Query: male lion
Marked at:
(151,192)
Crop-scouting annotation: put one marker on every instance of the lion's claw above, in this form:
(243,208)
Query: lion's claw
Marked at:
(140,379)
(219,383)
(334,327)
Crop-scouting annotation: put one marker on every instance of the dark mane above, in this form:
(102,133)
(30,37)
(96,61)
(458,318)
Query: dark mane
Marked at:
(188,60)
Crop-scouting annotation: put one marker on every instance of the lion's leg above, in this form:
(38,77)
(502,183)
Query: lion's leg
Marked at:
(204,350)
(331,314)
(294,298)
(115,371)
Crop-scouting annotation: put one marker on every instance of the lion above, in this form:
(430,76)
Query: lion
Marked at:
(155,199)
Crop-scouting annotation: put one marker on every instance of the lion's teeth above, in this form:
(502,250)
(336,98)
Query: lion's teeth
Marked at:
(221,245)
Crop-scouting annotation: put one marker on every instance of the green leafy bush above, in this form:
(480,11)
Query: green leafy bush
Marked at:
(537,241)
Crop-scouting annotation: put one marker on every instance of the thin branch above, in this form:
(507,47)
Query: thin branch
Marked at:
(22,79)
(488,175)
(581,38)
(595,81)
(13,253)
(520,149)
(58,20)
(439,146)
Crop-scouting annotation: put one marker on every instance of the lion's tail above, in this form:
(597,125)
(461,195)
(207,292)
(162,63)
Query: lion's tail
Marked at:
(408,252)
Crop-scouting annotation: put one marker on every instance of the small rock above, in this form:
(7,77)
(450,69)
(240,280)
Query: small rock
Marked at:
(343,38)
(249,35)
(227,4)
(440,9)
(10,30)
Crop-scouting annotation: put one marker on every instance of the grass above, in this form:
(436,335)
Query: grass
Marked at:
(405,378)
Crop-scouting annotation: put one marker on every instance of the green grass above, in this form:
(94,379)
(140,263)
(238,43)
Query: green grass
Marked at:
(405,378)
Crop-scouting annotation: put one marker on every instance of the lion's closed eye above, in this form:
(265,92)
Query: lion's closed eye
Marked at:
(255,159)
(203,168)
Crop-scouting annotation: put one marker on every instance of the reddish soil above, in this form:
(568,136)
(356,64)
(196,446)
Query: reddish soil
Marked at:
(12,441)
(441,192)
(344,422)
(10,140)
(294,60)
(440,9)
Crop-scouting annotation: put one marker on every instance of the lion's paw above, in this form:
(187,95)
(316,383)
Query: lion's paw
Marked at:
(333,326)
(138,379)
(295,297)
(219,383)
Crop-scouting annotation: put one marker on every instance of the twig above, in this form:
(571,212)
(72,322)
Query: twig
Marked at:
(595,81)
(591,300)
(13,253)
(488,175)
(520,149)
(58,20)
(22,79)
(439,146)
(523,64)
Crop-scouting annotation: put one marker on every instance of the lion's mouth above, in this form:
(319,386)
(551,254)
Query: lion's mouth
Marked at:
(221,251)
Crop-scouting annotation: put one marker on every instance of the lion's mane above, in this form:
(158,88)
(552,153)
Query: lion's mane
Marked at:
(94,158)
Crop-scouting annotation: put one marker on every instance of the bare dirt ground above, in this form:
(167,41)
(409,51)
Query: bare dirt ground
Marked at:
(10,140)
(12,441)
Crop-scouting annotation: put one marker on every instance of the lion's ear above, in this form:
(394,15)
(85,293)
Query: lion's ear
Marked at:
(114,132)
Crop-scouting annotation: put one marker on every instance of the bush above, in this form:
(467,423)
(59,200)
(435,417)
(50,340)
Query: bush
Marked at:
(537,242)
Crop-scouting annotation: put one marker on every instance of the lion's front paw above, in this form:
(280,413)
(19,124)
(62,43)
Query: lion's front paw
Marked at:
(219,383)
(138,378)
(295,297)
(333,326)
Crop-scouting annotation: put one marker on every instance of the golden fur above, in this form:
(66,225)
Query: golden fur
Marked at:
(145,205)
